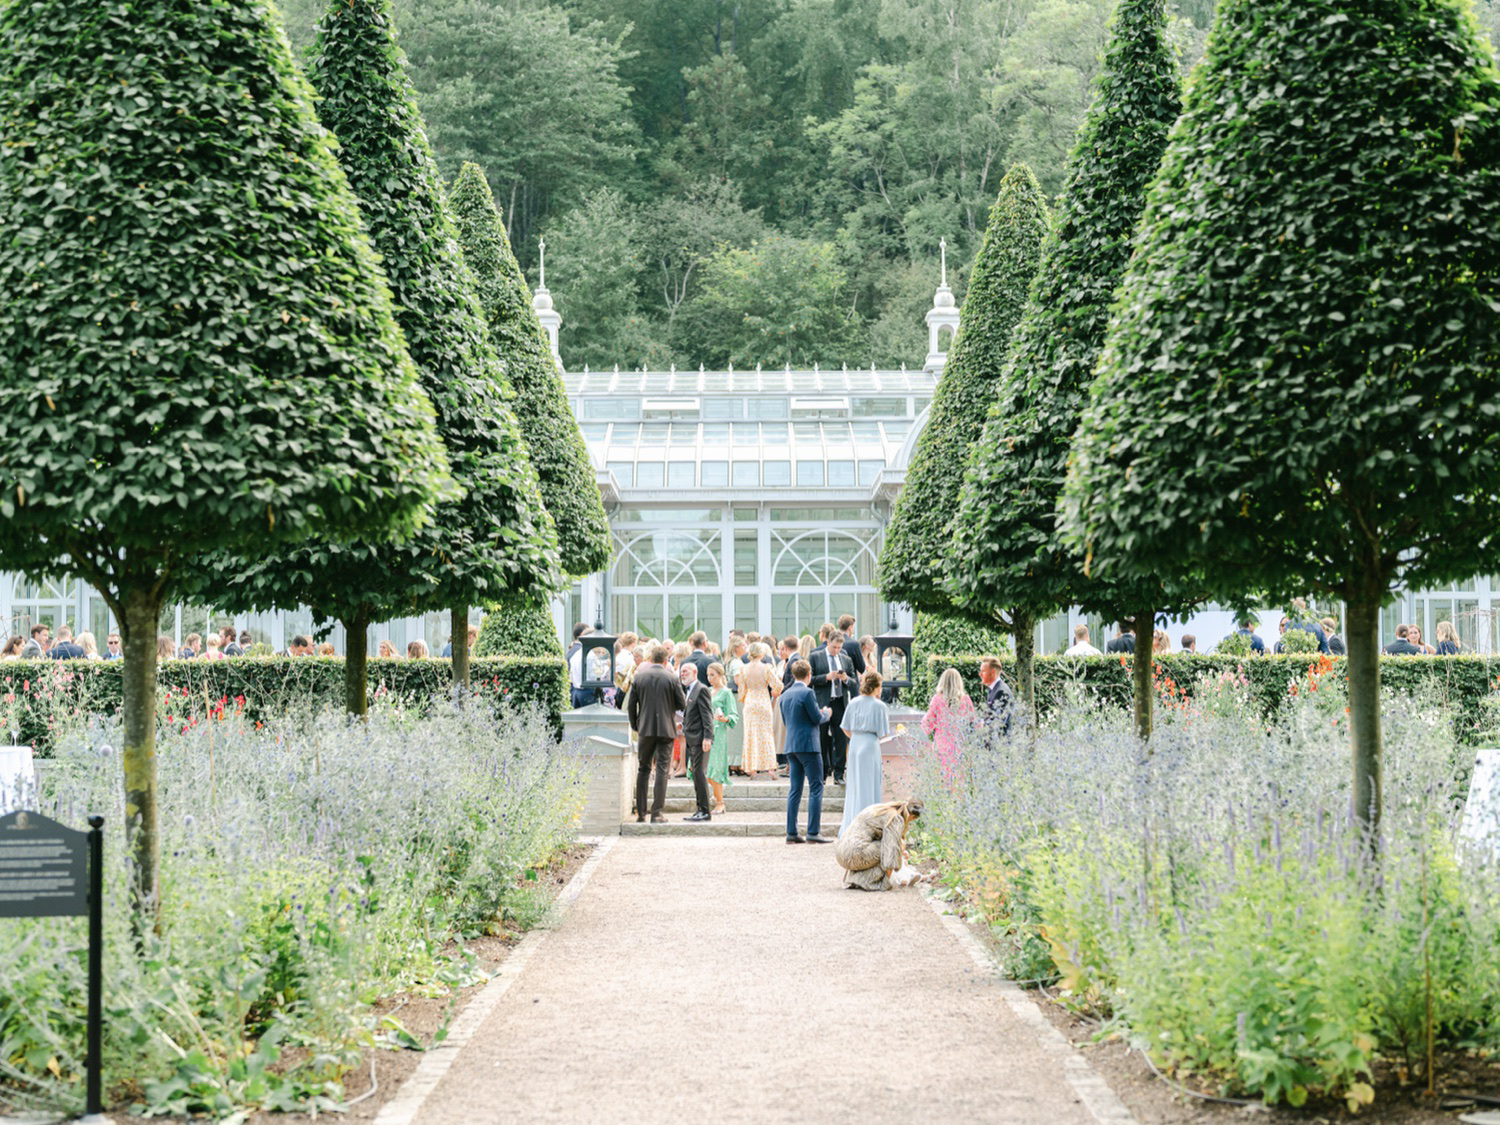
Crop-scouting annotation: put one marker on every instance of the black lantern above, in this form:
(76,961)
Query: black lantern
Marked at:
(893,657)
(598,656)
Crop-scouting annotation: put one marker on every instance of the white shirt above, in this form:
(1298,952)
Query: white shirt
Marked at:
(1083,648)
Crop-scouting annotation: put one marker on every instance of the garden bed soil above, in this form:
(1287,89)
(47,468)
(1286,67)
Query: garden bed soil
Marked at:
(1155,1101)
(425,1016)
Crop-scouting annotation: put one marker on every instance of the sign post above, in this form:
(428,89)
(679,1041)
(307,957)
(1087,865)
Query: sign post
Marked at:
(48,870)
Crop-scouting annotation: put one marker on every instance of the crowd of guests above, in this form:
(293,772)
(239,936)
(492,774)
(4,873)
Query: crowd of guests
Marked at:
(1324,631)
(223,645)
(808,709)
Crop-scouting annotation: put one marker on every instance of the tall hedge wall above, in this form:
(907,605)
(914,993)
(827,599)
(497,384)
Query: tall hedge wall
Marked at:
(1461,682)
(35,693)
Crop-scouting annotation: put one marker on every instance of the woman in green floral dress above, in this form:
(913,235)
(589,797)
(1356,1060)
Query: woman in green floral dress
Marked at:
(726,718)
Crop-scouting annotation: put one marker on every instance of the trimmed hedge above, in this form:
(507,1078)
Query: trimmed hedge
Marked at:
(1461,682)
(34,694)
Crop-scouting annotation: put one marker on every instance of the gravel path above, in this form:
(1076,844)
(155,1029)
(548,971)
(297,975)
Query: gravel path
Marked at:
(737,980)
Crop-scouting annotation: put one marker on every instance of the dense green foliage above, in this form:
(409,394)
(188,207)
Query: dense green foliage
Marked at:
(675,126)
(497,540)
(1343,294)
(193,306)
(553,440)
(190,298)
(47,694)
(918,542)
(1005,550)
(519,630)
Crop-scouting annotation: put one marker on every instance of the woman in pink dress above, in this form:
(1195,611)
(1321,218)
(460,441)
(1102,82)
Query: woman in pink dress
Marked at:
(759,688)
(949,718)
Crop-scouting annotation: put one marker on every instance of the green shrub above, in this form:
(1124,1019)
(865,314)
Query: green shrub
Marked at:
(524,630)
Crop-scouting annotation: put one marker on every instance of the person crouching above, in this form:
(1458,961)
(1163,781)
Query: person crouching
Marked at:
(874,845)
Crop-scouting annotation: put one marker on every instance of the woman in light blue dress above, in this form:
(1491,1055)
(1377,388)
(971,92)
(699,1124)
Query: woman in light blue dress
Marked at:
(866,722)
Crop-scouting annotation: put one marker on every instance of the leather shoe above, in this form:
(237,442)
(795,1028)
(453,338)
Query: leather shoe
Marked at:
(640,820)
(796,839)
(658,820)
(816,840)
(698,817)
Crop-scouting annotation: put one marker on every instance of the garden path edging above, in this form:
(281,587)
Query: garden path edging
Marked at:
(1103,1104)
(403,1108)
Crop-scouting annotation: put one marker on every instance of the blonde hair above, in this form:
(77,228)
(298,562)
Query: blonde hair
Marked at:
(804,649)
(951,687)
(758,651)
(1446,632)
(716,672)
(1160,642)
(88,644)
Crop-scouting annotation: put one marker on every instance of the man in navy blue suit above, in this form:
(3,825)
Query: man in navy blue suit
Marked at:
(802,717)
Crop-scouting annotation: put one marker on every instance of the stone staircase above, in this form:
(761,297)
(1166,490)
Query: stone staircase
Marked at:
(755,808)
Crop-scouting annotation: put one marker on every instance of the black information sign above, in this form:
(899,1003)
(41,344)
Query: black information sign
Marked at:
(43,868)
(48,870)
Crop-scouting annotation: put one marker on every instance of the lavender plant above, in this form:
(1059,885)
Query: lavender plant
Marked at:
(1211,893)
(311,866)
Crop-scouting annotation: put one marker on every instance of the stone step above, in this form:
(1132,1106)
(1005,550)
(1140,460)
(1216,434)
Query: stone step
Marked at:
(741,789)
(688,803)
(736,825)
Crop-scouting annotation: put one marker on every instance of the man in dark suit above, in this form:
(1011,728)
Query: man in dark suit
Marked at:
(1335,642)
(1247,628)
(1399,647)
(832,681)
(851,646)
(802,718)
(699,657)
(789,657)
(1124,640)
(66,648)
(999,701)
(697,734)
(655,698)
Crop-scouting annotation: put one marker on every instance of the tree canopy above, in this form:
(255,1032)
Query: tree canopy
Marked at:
(1005,550)
(877,127)
(918,542)
(191,297)
(1299,390)
(496,540)
(553,441)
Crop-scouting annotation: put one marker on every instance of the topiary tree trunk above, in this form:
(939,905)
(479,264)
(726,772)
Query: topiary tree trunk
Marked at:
(1140,672)
(1362,641)
(357,662)
(1023,633)
(459,626)
(138,614)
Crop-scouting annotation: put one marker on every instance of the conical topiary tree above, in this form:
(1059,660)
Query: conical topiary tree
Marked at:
(523,630)
(191,307)
(541,404)
(918,542)
(1006,551)
(497,541)
(1300,390)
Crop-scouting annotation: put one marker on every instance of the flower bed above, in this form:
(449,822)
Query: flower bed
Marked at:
(1466,685)
(1212,899)
(309,867)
